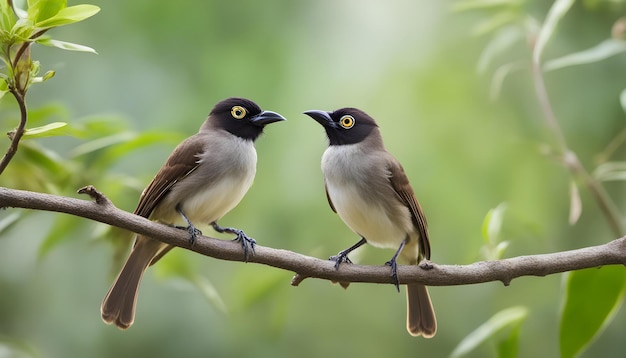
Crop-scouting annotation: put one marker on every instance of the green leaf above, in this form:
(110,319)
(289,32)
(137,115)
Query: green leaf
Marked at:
(22,30)
(47,41)
(556,13)
(603,50)
(43,158)
(40,10)
(592,297)
(9,220)
(13,348)
(69,15)
(495,224)
(4,88)
(491,228)
(485,227)
(101,143)
(176,265)
(492,224)
(575,204)
(494,22)
(610,171)
(49,130)
(509,347)
(209,291)
(120,150)
(501,42)
(500,74)
(510,317)
(62,230)
(7,17)
(48,75)
(622,100)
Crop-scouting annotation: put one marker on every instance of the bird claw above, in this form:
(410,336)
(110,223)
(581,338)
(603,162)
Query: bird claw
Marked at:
(340,258)
(247,243)
(192,231)
(193,234)
(394,272)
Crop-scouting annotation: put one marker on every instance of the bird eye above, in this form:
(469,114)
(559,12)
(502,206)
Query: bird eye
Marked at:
(346,122)
(238,112)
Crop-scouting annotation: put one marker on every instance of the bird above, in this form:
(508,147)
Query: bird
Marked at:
(370,191)
(204,178)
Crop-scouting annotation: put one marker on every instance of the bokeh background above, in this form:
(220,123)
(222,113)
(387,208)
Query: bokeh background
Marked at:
(412,65)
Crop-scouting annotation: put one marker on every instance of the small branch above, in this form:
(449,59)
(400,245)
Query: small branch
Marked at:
(99,198)
(19,131)
(570,159)
(102,210)
(546,107)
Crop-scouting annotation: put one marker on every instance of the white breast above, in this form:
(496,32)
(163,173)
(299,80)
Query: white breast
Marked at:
(357,184)
(214,201)
(221,181)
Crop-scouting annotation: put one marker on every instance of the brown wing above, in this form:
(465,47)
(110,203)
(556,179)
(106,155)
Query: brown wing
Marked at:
(330,202)
(181,162)
(400,183)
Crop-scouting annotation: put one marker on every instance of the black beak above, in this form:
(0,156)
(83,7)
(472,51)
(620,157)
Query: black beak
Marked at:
(322,118)
(266,117)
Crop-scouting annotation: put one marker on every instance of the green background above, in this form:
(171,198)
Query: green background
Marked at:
(162,65)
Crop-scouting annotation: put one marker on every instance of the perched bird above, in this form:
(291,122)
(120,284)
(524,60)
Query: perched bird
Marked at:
(205,177)
(370,191)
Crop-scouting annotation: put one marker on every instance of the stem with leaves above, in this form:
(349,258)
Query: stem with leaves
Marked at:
(19,29)
(568,157)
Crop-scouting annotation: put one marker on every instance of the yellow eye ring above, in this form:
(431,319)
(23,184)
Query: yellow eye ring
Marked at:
(238,112)
(346,121)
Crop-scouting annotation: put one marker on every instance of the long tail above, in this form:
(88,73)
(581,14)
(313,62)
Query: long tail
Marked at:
(118,306)
(421,318)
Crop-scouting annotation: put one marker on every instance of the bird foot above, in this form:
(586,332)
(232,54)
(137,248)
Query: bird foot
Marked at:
(341,257)
(394,272)
(193,233)
(247,243)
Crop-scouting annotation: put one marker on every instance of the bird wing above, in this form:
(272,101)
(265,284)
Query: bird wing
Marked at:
(178,166)
(400,183)
(330,202)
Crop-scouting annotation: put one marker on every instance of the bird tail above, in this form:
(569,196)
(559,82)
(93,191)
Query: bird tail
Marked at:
(421,318)
(118,306)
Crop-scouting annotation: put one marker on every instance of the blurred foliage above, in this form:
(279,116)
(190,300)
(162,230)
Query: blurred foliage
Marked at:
(450,84)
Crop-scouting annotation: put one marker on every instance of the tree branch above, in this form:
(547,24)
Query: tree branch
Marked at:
(102,210)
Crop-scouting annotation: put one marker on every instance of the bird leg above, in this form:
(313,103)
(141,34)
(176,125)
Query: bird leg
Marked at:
(394,264)
(193,232)
(247,243)
(342,256)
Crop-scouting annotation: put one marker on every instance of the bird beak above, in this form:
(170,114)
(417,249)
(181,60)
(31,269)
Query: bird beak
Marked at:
(322,118)
(266,117)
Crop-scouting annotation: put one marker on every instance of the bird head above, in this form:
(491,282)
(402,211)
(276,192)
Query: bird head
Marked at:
(241,117)
(345,125)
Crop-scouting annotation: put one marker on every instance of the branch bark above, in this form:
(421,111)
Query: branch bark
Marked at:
(505,270)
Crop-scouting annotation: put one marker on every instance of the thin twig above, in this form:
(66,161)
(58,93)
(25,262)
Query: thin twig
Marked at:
(612,253)
(570,159)
(19,131)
